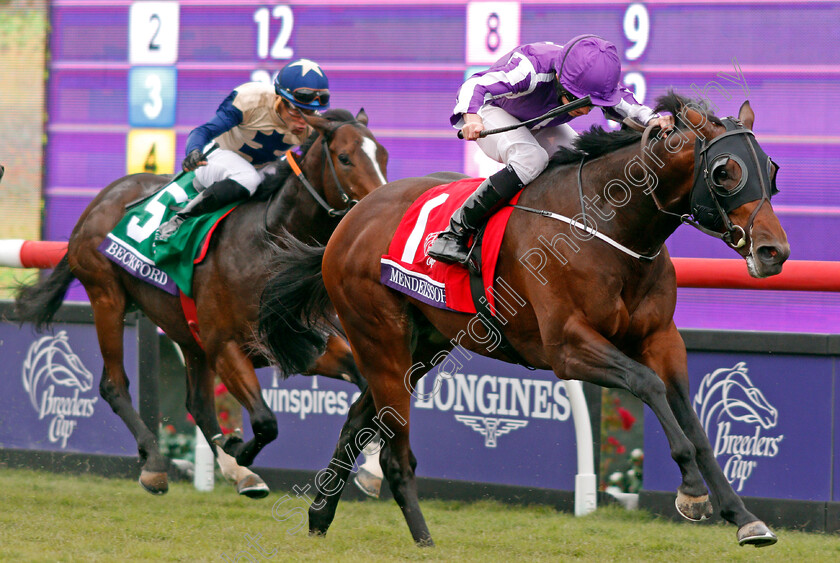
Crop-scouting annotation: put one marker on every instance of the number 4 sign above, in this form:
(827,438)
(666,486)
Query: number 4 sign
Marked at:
(153,33)
(492,30)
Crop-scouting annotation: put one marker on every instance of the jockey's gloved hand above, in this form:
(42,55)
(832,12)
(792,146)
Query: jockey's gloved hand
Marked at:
(193,160)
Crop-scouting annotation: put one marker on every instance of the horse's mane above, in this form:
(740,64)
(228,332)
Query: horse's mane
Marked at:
(275,180)
(597,142)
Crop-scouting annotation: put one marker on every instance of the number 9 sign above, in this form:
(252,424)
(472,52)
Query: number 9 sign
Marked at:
(153,33)
(492,30)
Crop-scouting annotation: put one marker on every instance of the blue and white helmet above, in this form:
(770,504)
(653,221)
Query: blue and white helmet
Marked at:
(304,84)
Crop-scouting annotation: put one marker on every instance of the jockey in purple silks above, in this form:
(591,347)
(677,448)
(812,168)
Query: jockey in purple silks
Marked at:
(525,84)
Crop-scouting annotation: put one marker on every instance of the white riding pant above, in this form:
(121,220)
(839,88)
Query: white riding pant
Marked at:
(525,151)
(222,164)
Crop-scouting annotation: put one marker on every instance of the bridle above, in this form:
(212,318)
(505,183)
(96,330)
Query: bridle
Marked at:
(346,199)
(710,203)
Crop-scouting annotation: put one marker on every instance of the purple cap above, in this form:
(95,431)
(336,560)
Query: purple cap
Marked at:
(590,67)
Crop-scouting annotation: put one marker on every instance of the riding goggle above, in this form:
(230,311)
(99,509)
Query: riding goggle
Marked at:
(309,95)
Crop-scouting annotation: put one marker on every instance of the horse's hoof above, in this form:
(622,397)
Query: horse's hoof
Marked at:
(369,483)
(756,534)
(154,482)
(693,508)
(252,487)
(317,533)
(425,542)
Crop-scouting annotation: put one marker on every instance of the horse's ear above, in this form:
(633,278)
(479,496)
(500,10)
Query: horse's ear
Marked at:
(746,115)
(320,124)
(362,117)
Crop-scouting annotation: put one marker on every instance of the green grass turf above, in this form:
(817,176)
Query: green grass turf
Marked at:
(50,517)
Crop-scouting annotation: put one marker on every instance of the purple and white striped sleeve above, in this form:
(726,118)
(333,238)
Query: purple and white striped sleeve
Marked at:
(516,77)
(629,107)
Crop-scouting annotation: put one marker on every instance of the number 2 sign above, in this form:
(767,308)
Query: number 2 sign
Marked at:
(492,30)
(153,33)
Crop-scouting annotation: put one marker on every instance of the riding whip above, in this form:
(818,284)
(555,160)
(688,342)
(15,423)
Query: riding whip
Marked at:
(571,106)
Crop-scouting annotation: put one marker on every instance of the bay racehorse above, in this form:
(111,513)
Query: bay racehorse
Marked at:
(343,162)
(602,314)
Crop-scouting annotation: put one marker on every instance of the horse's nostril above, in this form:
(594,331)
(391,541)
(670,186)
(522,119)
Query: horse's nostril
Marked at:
(771,254)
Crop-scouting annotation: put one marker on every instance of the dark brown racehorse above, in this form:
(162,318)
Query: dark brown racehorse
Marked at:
(343,162)
(601,314)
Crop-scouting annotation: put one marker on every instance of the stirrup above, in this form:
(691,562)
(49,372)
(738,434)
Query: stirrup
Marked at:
(448,241)
(165,231)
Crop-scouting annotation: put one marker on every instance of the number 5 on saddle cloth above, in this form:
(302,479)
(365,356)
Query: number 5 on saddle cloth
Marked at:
(168,264)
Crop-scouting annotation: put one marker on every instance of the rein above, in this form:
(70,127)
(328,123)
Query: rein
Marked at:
(331,211)
(594,232)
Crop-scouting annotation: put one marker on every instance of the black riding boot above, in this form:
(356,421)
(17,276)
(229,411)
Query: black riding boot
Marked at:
(452,245)
(211,199)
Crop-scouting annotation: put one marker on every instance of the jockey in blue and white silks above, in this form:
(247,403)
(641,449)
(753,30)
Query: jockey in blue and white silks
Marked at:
(525,84)
(252,127)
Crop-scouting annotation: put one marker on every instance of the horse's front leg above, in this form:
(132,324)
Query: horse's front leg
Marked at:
(664,352)
(108,304)
(237,373)
(587,356)
(201,404)
(357,430)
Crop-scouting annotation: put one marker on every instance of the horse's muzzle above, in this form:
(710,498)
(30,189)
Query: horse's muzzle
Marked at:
(769,258)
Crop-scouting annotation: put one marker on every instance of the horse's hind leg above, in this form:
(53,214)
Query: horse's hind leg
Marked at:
(237,373)
(108,312)
(666,355)
(201,405)
(337,363)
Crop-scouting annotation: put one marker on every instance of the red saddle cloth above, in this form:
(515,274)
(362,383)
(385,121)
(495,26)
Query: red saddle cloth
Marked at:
(407,267)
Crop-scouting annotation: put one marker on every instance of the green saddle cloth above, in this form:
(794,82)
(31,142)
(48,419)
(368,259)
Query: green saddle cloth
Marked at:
(165,264)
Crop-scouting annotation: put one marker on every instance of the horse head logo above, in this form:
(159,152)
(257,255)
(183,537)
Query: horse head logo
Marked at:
(51,358)
(730,391)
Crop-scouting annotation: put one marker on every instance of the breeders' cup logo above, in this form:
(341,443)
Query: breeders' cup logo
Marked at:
(50,367)
(427,244)
(736,417)
(489,403)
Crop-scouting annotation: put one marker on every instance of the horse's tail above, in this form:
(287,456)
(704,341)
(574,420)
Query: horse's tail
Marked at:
(38,303)
(295,307)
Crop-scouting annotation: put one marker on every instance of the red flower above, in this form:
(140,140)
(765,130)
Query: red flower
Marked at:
(224,415)
(221,389)
(190,418)
(169,429)
(619,447)
(627,419)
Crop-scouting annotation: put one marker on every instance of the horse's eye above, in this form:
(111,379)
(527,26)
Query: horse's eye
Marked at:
(344,159)
(719,173)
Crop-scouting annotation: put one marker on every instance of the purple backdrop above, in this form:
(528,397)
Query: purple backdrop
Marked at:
(403,64)
(49,391)
(492,422)
(769,420)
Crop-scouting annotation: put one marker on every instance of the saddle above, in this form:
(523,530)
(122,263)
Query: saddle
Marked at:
(407,267)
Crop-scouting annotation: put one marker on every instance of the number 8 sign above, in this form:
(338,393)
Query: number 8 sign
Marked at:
(153,33)
(492,30)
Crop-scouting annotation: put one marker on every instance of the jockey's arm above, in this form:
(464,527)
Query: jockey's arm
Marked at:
(227,117)
(629,107)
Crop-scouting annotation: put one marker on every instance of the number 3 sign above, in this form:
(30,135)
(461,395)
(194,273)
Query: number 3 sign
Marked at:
(153,33)
(492,30)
